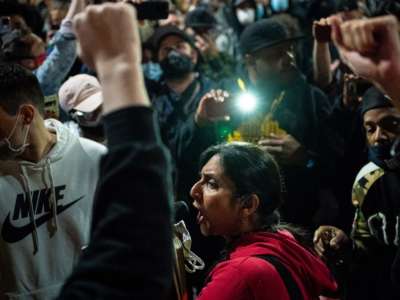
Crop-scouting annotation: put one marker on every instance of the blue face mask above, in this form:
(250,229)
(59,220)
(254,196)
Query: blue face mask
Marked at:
(260,12)
(152,71)
(279,5)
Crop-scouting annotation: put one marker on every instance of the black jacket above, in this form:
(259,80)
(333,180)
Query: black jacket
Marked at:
(377,237)
(303,113)
(130,250)
(180,134)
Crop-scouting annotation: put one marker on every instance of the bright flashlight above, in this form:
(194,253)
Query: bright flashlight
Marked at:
(246,102)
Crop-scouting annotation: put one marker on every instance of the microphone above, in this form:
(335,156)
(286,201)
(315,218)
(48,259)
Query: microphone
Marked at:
(181,211)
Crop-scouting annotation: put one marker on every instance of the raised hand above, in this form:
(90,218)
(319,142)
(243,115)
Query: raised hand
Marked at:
(109,42)
(213,107)
(371,48)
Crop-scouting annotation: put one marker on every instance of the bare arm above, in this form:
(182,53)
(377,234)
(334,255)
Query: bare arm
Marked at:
(321,55)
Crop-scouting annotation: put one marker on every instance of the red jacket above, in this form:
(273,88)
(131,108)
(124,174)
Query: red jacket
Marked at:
(245,277)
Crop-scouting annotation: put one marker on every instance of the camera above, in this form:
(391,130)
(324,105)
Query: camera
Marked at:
(148,10)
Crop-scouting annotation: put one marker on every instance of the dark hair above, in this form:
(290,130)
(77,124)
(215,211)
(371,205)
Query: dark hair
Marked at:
(19,86)
(29,13)
(17,49)
(374,8)
(252,171)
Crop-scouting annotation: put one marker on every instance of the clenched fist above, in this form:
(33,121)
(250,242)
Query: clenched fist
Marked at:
(109,42)
(329,237)
(371,48)
(108,34)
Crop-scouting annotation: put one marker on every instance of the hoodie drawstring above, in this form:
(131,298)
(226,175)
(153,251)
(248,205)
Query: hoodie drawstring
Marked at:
(52,199)
(53,224)
(27,189)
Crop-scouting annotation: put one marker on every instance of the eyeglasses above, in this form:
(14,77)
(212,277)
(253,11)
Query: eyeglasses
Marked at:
(90,119)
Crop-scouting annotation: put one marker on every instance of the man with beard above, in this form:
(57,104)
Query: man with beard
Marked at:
(175,98)
(375,196)
(289,120)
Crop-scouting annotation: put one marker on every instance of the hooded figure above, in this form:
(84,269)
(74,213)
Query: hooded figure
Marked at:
(375,196)
(48,177)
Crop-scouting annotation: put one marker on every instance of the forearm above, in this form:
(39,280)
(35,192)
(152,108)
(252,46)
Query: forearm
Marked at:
(130,252)
(75,7)
(60,60)
(321,65)
(122,80)
(63,55)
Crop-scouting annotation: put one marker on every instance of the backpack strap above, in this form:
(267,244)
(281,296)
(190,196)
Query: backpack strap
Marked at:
(291,286)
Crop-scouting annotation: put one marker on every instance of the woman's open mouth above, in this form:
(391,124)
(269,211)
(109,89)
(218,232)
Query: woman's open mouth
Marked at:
(200,218)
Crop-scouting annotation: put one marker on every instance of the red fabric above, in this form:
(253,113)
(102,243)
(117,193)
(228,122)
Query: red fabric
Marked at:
(245,277)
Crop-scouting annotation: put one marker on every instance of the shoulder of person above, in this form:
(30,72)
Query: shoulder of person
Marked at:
(250,267)
(153,87)
(92,148)
(245,276)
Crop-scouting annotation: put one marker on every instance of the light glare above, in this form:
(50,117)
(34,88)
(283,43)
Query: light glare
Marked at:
(247,102)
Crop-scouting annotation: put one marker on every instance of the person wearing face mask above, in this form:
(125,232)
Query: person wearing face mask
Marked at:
(245,13)
(175,98)
(288,121)
(374,238)
(242,14)
(47,182)
(202,25)
(151,69)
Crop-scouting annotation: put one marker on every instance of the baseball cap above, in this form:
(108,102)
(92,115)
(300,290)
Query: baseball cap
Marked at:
(374,98)
(80,92)
(200,17)
(264,34)
(162,32)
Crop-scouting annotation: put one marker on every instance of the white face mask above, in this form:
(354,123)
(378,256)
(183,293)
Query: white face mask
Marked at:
(7,150)
(246,16)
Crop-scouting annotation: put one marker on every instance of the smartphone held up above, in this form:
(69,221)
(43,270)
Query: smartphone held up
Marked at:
(147,10)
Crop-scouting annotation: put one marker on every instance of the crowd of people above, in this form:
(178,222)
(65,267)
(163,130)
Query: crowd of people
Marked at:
(276,122)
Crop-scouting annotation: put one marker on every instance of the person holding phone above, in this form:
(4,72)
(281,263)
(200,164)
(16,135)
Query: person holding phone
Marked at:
(296,109)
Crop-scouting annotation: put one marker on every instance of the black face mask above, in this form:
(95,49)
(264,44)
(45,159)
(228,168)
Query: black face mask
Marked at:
(176,65)
(382,157)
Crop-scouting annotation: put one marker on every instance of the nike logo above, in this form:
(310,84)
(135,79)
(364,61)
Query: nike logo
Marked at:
(12,234)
